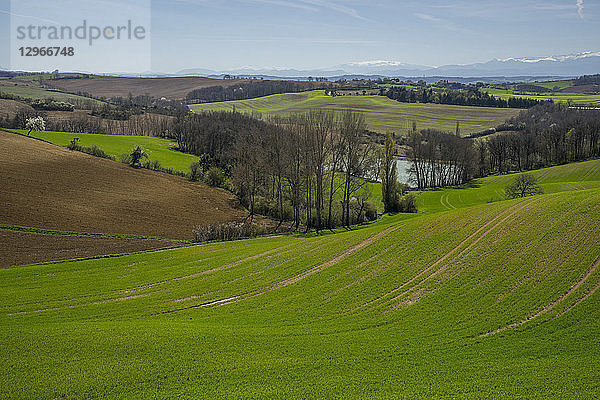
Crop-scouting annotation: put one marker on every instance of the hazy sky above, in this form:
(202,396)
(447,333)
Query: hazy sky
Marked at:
(227,34)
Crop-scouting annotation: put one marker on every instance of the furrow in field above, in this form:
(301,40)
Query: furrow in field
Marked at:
(340,257)
(463,251)
(475,237)
(296,278)
(555,303)
(212,270)
(116,300)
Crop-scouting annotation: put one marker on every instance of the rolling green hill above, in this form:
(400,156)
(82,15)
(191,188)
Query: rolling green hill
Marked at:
(157,148)
(575,98)
(33,92)
(381,114)
(496,300)
(575,176)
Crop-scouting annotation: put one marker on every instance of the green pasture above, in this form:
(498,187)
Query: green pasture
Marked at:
(401,315)
(569,177)
(381,113)
(563,84)
(157,148)
(31,92)
(575,98)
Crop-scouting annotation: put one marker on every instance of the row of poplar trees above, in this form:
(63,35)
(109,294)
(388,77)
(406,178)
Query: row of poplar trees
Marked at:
(308,165)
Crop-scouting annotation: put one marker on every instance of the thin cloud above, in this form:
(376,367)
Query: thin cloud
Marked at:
(313,5)
(441,23)
(28,16)
(580,9)
(335,7)
(284,3)
(283,39)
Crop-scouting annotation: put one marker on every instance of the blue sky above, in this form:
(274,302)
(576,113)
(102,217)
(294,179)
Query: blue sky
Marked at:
(304,34)
(322,33)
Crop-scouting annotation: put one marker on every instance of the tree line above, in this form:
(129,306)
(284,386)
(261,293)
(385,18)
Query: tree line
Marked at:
(311,169)
(587,80)
(550,134)
(440,159)
(251,90)
(461,97)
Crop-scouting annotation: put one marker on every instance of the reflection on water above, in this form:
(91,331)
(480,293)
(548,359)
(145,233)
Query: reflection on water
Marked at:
(404,176)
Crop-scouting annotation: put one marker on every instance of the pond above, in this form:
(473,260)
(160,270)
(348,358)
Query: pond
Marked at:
(402,166)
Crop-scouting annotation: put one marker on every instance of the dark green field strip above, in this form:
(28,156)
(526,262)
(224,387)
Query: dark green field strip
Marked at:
(69,233)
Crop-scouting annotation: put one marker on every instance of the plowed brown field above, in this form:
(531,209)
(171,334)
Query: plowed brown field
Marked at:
(47,186)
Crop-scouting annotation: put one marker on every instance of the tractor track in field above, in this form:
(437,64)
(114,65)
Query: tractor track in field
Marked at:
(340,257)
(474,238)
(130,296)
(296,278)
(92,303)
(208,271)
(556,302)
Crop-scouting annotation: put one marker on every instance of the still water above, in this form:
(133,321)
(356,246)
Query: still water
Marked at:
(404,176)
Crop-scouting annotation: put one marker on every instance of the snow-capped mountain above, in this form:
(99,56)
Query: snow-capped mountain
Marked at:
(381,67)
(568,57)
(571,65)
(563,65)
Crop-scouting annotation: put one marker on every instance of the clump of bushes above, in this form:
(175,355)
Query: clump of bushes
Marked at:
(227,231)
(362,211)
(93,150)
(215,177)
(207,171)
(196,171)
(153,165)
(51,105)
(408,203)
(403,202)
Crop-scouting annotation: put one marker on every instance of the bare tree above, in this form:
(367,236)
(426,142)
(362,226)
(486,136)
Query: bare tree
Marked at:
(524,185)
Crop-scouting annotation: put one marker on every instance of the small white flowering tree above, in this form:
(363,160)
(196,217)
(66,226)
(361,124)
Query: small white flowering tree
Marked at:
(35,124)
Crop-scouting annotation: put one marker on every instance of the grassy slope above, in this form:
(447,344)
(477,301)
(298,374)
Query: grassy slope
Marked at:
(157,148)
(563,84)
(382,114)
(31,92)
(576,98)
(575,176)
(399,317)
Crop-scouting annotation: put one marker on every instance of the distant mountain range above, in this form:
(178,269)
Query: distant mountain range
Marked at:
(494,71)
(571,65)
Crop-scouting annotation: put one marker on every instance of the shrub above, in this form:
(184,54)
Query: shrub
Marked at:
(362,211)
(370,211)
(195,171)
(215,177)
(227,231)
(136,156)
(97,152)
(266,207)
(93,150)
(408,204)
(74,144)
(125,158)
(153,165)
